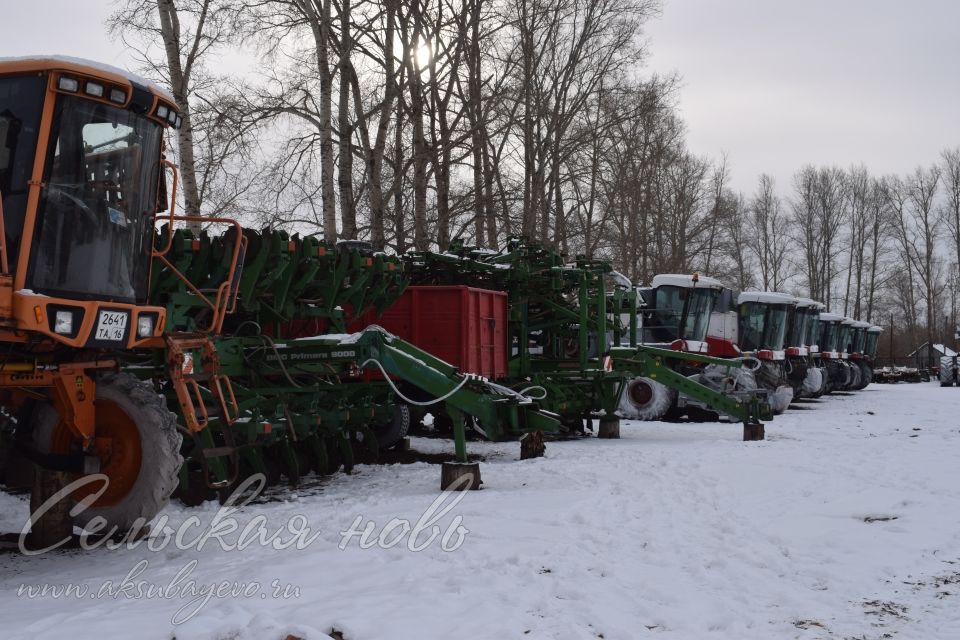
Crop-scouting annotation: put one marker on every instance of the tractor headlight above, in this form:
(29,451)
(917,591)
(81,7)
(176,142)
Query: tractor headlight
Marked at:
(63,322)
(94,89)
(145,326)
(66,83)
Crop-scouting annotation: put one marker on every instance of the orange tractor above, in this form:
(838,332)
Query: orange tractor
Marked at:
(82,181)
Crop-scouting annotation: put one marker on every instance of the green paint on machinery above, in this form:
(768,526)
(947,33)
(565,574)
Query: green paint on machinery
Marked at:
(276,386)
(573,329)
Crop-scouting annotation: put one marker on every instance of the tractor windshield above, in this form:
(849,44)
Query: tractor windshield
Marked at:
(698,314)
(96,212)
(870,344)
(776,326)
(752,316)
(843,341)
(858,338)
(828,336)
(681,313)
(796,335)
(813,328)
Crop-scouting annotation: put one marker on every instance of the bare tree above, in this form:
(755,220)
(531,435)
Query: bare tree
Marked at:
(950,167)
(768,238)
(876,232)
(921,230)
(211,137)
(819,210)
(737,226)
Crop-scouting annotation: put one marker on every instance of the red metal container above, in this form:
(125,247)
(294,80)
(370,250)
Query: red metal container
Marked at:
(460,325)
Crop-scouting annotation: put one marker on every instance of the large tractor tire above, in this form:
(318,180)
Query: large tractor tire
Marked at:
(144,451)
(866,374)
(813,383)
(780,399)
(645,399)
(856,376)
(825,384)
(391,433)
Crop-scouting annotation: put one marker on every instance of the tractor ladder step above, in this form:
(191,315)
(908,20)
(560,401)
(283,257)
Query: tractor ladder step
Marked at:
(186,374)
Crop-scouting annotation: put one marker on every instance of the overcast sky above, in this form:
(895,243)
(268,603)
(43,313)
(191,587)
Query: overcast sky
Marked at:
(774,83)
(779,84)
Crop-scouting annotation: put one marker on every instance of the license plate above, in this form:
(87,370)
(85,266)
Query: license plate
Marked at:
(111,325)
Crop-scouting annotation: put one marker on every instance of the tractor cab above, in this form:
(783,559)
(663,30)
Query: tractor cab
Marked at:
(764,318)
(829,335)
(803,371)
(82,181)
(859,339)
(837,343)
(870,343)
(797,326)
(676,310)
(845,338)
(808,315)
(81,177)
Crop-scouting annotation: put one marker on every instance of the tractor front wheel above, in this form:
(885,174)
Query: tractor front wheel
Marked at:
(138,444)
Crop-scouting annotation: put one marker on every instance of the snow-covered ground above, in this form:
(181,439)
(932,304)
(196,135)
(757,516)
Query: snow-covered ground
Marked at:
(844,523)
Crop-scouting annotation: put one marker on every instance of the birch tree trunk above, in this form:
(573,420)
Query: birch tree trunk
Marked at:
(180,87)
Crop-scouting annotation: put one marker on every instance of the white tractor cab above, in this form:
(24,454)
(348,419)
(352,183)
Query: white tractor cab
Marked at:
(835,335)
(763,319)
(676,310)
(870,342)
(804,370)
(674,313)
(858,357)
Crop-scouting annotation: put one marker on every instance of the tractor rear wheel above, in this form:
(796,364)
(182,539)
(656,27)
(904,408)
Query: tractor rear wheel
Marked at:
(645,399)
(866,375)
(139,448)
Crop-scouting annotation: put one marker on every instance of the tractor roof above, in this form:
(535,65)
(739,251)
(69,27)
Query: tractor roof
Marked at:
(684,280)
(766,297)
(80,65)
(808,302)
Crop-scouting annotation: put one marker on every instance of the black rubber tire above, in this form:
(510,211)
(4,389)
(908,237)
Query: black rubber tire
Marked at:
(856,374)
(653,404)
(866,375)
(159,443)
(391,433)
(825,387)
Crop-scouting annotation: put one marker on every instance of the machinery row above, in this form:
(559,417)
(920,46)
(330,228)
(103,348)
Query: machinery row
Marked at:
(169,360)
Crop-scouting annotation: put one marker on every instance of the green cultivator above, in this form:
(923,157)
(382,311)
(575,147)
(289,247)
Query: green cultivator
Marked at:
(266,379)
